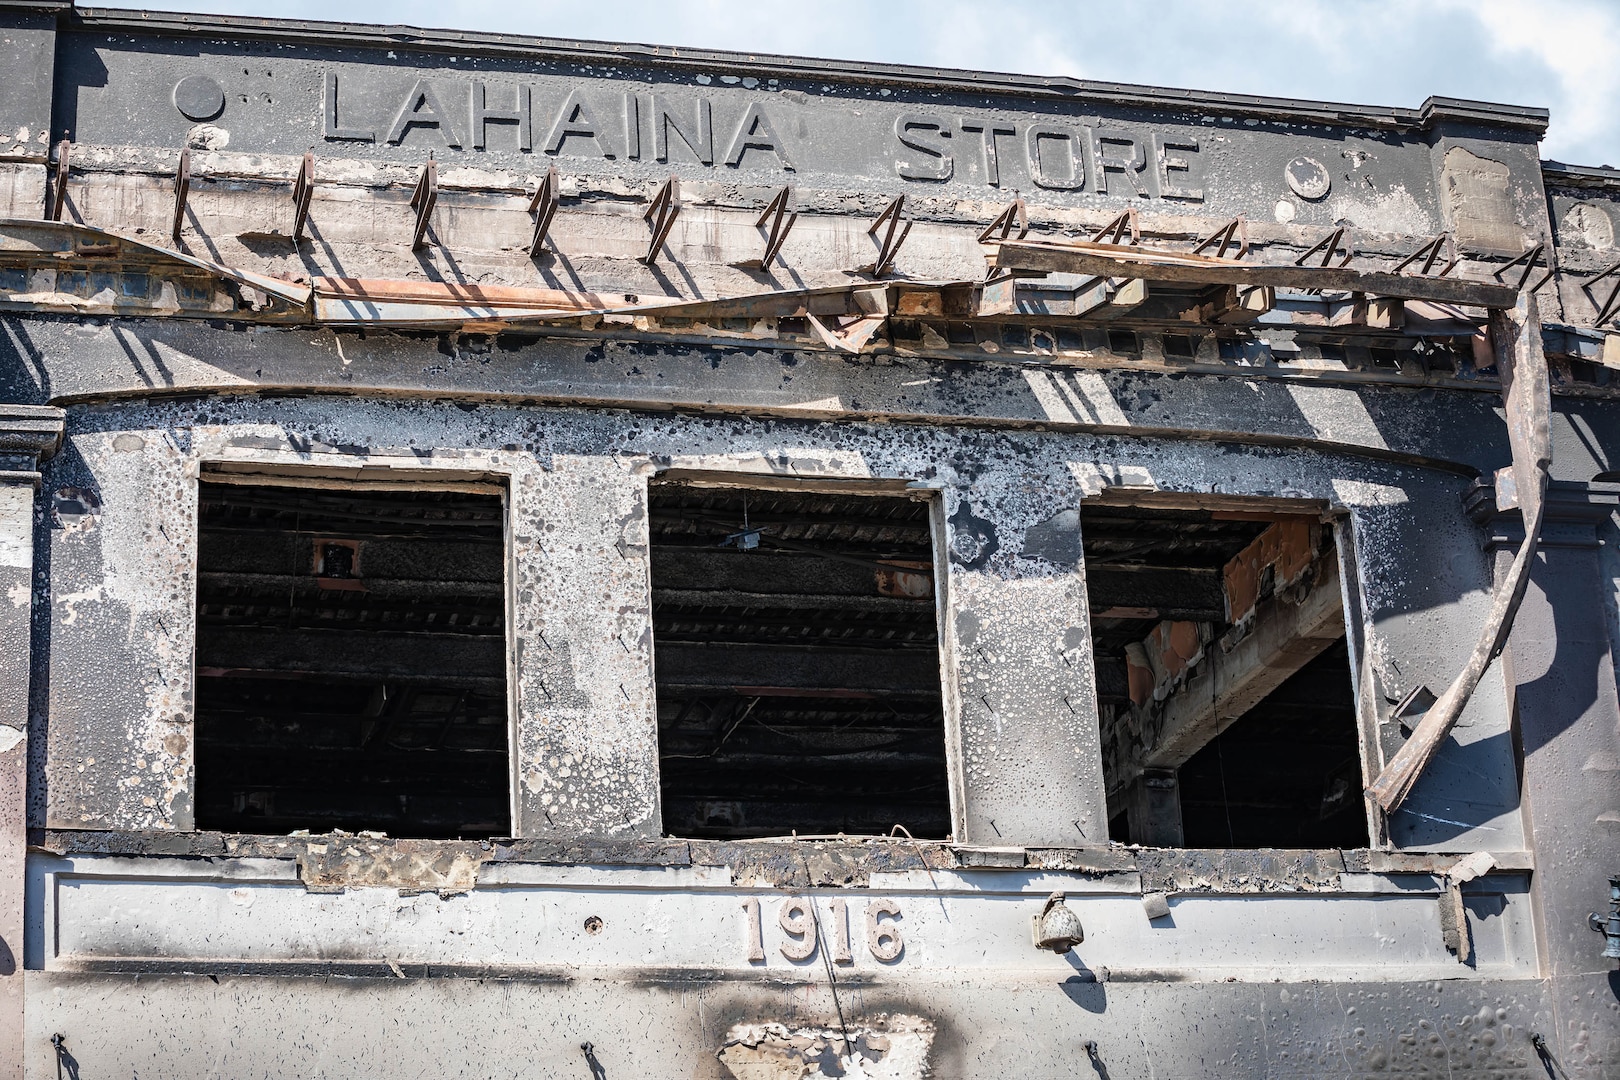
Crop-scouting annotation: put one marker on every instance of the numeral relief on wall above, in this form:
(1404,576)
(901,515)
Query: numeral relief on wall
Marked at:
(804,927)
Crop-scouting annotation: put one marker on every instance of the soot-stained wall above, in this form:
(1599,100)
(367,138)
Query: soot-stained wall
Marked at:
(113,710)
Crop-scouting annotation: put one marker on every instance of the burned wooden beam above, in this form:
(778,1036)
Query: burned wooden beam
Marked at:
(1286,636)
(1108,260)
(1155,592)
(1527,394)
(474,660)
(793,669)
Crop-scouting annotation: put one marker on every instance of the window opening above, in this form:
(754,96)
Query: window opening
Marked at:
(1223,678)
(797,663)
(351,661)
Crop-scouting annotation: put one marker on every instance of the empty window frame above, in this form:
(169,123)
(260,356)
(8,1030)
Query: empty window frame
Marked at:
(351,660)
(797,663)
(1223,678)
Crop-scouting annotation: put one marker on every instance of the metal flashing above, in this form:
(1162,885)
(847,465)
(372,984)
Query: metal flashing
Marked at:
(1433,110)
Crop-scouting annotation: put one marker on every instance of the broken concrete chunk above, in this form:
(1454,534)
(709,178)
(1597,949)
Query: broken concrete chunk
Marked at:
(885,1048)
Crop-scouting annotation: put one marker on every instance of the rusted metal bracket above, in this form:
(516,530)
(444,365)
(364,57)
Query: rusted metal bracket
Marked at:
(1329,247)
(1126,219)
(1527,394)
(661,214)
(1112,261)
(182,191)
(782,219)
(1235,231)
(59,180)
(1430,254)
(544,207)
(1528,260)
(893,238)
(1001,228)
(423,200)
(303,191)
(1612,304)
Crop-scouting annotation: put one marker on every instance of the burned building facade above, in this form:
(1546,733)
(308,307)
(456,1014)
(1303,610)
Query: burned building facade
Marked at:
(569,559)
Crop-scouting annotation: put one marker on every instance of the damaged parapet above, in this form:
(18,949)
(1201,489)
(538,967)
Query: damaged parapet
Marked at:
(942,569)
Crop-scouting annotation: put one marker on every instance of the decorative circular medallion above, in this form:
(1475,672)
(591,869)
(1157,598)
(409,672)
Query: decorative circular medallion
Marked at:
(199,97)
(1308,178)
(1588,224)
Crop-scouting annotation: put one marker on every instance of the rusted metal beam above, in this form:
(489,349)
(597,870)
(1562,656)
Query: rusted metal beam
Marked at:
(1110,260)
(1527,395)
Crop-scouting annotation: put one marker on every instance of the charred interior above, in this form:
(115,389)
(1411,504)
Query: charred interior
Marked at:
(351,661)
(1223,678)
(797,663)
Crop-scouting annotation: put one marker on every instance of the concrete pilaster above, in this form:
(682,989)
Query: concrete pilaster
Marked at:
(28,433)
(1560,668)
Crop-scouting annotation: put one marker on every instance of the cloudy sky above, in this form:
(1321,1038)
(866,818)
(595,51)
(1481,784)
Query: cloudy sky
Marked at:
(1560,54)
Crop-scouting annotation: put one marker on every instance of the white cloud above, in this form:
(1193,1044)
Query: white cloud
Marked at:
(1579,42)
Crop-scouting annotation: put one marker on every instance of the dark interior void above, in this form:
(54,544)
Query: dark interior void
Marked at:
(1287,772)
(351,661)
(797,663)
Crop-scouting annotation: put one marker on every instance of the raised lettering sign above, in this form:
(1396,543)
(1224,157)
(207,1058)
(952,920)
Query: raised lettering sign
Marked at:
(805,928)
(757,131)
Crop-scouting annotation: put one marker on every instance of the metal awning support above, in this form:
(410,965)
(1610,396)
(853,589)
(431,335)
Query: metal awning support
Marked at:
(781,217)
(547,197)
(1526,393)
(893,237)
(423,200)
(661,215)
(182,191)
(1233,233)
(1114,231)
(1122,261)
(1329,246)
(59,179)
(303,191)
(1015,215)
(1612,304)
(1430,254)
